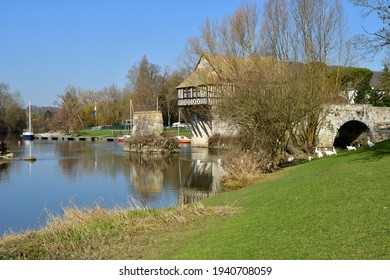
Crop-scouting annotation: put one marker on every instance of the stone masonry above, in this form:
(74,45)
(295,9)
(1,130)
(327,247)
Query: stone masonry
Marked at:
(377,120)
(148,122)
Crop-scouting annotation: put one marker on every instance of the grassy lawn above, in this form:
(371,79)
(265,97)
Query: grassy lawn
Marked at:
(332,208)
(101,133)
(173,131)
(169,131)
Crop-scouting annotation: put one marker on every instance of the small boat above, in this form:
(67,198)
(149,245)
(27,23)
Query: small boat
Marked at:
(182,139)
(123,138)
(28,135)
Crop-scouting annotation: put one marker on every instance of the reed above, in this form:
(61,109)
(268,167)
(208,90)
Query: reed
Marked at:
(98,233)
(335,208)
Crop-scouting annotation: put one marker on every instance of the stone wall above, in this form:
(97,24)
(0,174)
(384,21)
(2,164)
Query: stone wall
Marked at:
(218,127)
(377,119)
(148,122)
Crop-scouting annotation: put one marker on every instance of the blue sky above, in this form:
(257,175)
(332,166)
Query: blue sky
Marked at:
(47,45)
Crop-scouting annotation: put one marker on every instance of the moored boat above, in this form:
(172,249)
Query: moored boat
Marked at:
(28,135)
(123,138)
(182,139)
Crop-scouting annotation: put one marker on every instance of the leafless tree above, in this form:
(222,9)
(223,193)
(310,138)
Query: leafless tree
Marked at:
(69,117)
(12,114)
(278,36)
(309,32)
(279,100)
(168,97)
(373,42)
(145,80)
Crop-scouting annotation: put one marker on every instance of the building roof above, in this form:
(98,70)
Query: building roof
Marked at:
(212,68)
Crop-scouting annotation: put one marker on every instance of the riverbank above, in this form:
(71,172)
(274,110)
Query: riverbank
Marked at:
(332,208)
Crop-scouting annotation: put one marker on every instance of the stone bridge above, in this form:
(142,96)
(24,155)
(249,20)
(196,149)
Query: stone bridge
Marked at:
(351,125)
(200,92)
(344,125)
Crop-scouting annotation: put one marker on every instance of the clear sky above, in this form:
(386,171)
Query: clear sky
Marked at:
(46,45)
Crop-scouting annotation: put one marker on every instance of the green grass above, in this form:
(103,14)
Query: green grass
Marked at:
(333,208)
(169,131)
(172,131)
(102,133)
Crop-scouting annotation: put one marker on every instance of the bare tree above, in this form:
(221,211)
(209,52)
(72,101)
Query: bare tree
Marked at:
(12,115)
(145,80)
(112,106)
(319,28)
(69,116)
(277,34)
(237,35)
(281,99)
(168,97)
(373,42)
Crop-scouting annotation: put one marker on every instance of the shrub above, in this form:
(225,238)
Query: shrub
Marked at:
(151,143)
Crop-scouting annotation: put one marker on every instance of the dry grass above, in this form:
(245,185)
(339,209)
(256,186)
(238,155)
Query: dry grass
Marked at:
(242,169)
(103,234)
(222,142)
(142,143)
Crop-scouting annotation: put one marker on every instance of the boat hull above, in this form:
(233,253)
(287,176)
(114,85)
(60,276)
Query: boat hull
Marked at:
(28,136)
(182,140)
(123,138)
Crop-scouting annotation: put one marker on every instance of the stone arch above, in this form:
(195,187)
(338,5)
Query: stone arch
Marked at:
(351,133)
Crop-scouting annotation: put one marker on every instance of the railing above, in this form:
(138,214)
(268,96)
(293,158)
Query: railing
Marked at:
(198,96)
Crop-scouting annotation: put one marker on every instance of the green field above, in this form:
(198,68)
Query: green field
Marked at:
(169,131)
(335,208)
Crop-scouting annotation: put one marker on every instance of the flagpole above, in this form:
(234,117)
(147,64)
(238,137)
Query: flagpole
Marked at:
(95,114)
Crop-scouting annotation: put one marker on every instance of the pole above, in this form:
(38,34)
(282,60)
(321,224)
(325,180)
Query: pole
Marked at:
(178,127)
(29,117)
(96,115)
(131,119)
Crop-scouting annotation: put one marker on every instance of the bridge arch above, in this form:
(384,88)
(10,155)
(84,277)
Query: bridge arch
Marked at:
(354,121)
(351,133)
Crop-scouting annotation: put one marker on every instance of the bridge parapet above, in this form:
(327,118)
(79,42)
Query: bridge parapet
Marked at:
(377,120)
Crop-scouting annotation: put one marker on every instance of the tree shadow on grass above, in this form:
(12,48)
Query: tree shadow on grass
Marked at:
(376,152)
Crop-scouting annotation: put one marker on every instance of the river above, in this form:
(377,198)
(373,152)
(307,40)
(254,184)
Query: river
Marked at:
(85,174)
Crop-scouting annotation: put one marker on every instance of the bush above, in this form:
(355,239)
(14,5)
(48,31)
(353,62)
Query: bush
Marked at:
(245,168)
(151,144)
(222,141)
(3,148)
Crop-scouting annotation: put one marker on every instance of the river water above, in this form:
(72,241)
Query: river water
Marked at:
(84,174)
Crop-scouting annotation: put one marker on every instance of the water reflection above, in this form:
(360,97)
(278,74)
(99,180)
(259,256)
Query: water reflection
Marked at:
(84,173)
(3,169)
(192,180)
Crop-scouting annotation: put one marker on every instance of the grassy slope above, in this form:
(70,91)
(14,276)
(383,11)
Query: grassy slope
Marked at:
(333,208)
(169,131)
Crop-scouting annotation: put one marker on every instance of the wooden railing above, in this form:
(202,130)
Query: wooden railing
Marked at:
(205,95)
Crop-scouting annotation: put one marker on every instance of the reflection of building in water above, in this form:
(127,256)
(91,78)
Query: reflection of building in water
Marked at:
(3,169)
(146,173)
(204,181)
(147,180)
(189,177)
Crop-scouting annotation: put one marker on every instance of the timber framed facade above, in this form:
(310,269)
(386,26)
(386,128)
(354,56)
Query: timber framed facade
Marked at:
(200,92)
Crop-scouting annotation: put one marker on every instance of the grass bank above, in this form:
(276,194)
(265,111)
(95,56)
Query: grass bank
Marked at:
(334,208)
(169,132)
